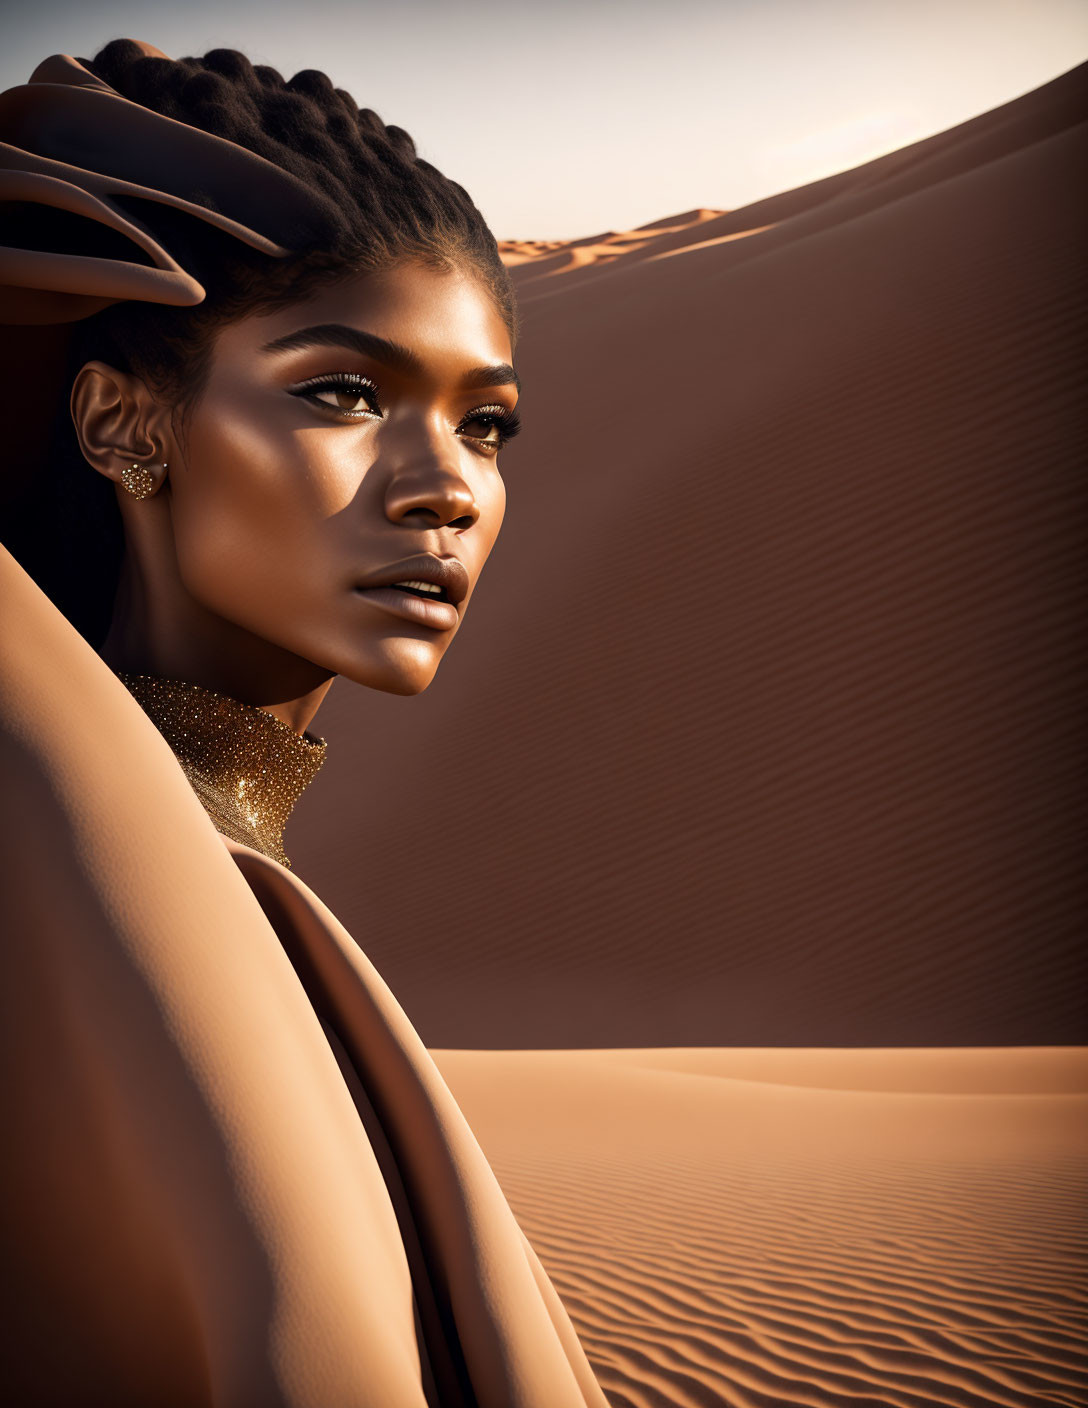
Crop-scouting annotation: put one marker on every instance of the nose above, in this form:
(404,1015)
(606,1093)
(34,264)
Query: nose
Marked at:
(429,488)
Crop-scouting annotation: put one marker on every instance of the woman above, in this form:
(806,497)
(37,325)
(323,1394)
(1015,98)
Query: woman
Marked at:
(285,344)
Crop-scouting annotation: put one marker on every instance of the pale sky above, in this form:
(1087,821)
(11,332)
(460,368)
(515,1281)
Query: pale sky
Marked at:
(569,117)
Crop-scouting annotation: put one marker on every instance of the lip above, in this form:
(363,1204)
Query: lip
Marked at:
(449,573)
(439,615)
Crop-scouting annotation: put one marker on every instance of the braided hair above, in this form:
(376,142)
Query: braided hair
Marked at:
(384,203)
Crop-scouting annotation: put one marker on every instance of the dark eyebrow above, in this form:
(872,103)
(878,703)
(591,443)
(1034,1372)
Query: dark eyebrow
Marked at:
(393,354)
(338,335)
(500,374)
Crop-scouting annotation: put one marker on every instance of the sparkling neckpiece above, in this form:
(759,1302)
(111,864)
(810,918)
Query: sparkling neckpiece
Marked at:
(247,767)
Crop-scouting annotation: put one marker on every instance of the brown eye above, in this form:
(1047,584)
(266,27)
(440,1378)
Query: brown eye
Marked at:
(490,426)
(353,395)
(483,428)
(348,400)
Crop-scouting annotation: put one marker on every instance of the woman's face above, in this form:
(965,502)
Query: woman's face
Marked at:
(342,448)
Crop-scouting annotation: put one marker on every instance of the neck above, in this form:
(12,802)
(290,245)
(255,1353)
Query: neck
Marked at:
(246,766)
(161,631)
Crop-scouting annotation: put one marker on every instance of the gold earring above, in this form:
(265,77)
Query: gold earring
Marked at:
(138,480)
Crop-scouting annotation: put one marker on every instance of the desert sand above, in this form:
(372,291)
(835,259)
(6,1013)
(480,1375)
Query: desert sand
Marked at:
(755,1227)
(756,953)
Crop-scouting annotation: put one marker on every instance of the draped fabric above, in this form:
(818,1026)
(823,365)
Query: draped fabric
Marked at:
(234,1174)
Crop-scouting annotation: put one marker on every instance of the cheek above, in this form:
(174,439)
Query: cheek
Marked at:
(493,510)
(251,508)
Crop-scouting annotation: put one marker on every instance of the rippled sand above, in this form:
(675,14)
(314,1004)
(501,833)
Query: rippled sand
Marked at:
(759,1227)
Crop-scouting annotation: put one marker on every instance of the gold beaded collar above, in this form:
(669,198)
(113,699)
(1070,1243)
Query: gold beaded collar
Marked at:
(247,767)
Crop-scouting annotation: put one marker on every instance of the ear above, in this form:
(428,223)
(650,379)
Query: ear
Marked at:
(116,421)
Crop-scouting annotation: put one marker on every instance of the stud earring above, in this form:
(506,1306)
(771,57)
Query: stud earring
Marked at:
(138,480)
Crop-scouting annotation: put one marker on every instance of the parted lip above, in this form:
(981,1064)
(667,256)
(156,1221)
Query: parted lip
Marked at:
(449,573)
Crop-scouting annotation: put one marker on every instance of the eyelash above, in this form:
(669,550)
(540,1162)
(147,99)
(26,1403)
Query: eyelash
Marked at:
(506,421)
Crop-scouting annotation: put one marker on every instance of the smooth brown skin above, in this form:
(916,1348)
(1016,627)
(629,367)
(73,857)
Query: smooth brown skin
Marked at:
(239,569)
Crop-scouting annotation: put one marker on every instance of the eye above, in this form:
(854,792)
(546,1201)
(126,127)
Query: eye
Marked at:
(490,426)
(348,392)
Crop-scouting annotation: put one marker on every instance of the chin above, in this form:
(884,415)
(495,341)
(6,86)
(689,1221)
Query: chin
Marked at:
(400,686)
(407,671)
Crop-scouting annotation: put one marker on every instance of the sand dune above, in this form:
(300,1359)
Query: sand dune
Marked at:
(753,1227)
(765,731)
(765,725)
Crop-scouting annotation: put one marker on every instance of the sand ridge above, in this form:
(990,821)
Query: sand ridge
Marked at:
(537,259)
